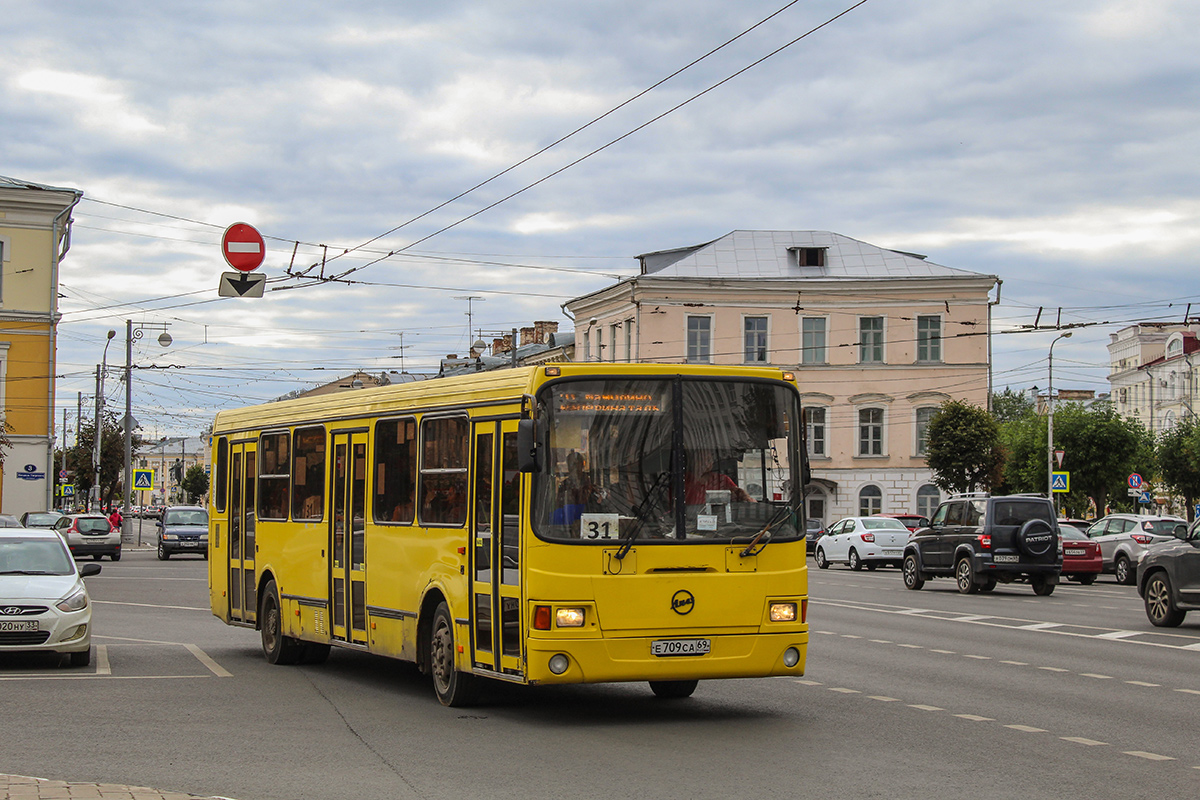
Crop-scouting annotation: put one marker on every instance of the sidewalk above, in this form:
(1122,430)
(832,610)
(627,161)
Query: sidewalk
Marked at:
(19,787)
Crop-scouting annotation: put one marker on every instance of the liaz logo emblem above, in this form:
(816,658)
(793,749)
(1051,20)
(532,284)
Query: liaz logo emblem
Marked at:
(682,602)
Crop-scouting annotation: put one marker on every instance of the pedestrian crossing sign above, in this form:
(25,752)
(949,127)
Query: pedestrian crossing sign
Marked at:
(143,479)
(1060,481)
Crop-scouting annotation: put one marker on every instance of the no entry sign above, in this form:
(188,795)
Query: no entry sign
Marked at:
(243,247)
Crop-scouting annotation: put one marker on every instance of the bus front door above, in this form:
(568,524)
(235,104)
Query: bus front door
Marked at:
(496,602)
(347,538)
(243,597)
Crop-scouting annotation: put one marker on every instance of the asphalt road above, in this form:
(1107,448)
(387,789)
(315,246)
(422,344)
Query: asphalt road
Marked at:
(908,694)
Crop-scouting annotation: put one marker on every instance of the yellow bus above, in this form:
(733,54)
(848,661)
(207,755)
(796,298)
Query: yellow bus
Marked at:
(566,523)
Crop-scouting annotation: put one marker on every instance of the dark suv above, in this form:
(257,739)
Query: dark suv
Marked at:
(979,540)
(1168,577)
(182,529)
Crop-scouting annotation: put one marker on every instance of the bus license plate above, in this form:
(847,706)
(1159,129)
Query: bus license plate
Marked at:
(24,626)
(1003,559)
(680,647)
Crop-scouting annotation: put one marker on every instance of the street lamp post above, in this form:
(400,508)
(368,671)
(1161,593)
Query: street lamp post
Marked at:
(96,435)
(1050,421)
(132,333)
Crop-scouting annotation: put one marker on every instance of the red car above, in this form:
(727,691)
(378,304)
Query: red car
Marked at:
(1081,556)
(911,521)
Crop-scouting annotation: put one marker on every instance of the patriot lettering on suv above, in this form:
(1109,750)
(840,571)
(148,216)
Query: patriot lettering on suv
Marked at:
(980,540)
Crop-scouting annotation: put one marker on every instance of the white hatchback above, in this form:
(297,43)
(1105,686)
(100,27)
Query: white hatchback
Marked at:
(44,606)
(863,541)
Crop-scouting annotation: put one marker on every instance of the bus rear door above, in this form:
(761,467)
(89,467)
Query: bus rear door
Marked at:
(243,597)
(347,537)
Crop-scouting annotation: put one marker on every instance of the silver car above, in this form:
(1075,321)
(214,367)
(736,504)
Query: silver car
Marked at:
(44,606)
(1124,537)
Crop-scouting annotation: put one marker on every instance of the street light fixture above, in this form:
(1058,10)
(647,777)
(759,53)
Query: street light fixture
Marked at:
(132,333)
(1050,422)
(96,435)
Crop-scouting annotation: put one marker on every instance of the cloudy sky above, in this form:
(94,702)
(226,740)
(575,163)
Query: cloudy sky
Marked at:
(1052,144)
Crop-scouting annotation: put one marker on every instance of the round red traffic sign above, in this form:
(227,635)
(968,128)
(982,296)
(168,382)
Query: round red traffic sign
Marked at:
(243,247)
(1135,481)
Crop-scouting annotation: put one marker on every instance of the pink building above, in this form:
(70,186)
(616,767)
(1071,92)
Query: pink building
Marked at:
(879,339)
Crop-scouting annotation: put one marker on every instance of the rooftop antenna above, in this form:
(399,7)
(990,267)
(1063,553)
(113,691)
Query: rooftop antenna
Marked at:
(470,298)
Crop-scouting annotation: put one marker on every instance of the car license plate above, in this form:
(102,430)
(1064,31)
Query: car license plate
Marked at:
(680,647)
(1006,559)
(185,544)
(24,625)
(887,551)
(1074,551)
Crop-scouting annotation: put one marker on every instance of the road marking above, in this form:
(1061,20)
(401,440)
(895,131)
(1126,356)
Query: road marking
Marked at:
(920,707)
(206,660)
(1048,669)
(844,635)
(944,652)
(878,697)
(1081,740)
(980,658)
(1148,756)
(798,680)
(102,665)
(838,689)
(1040,626)
(1185,691)
(1084,674)
(1014,663)
(1134,683)
(149,605)
(1109,635)
(909,646)
(974,718)
(876,641)
(1026,728)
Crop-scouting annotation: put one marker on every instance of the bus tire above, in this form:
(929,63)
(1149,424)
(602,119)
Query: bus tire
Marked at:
(673,690)
(278,649)
(453,688)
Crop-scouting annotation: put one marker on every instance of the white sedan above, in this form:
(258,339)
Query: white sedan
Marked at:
(859,541)
(44,606)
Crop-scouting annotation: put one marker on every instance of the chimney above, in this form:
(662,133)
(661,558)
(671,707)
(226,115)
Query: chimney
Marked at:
(451,356)
(499,346)
(542,330)
(526,336)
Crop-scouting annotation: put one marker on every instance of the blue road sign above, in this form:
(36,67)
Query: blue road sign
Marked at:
(1060,481)
(143,479)
(1144,498)
(1135,481)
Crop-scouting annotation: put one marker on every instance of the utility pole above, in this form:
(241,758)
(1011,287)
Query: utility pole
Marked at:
(133,332)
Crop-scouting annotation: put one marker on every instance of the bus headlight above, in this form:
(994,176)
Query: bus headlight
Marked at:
(569,617)
(559,663)
(783,612)
(791,657)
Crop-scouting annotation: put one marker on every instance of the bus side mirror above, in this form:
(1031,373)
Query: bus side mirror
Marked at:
(527,447)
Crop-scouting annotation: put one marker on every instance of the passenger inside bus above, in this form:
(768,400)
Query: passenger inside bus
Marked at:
(575,491)
(702,476)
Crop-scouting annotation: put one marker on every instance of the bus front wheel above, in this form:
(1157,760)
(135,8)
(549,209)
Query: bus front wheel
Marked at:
(673,690)
(278,649)
(453,688)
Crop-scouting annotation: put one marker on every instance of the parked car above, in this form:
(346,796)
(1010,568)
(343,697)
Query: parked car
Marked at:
(182,529)
(44,605)
(1168,577)
(814,531)
(980,540)
(863,541)
(90,535)
(913,522)
(40,519)
(1080,525)
(1124,537)
(9,521)
(1081,556)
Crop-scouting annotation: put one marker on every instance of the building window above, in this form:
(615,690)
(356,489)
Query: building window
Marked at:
(612,341)
(629,340)
(810,256)
(928,498)
(755,339)
(699,340)
(812,344)
(924,416)
(870,340)
(870,432)
(814,430)
(870,500)
(587,345)
(929,338)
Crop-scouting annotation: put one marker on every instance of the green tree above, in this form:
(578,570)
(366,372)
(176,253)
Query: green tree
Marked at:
(195,483)
(1177,454)
(1008,406)
(112,459)
(964,447)
(1101,448)
(1023,441)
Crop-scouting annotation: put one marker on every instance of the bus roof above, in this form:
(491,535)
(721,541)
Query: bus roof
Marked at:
(504,386)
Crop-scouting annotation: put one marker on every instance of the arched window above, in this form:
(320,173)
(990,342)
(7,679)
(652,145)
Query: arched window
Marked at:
(928,497)
(870,500)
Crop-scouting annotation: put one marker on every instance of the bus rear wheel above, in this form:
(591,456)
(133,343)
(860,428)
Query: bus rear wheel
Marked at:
(278,649)
(453,688)
(673,690)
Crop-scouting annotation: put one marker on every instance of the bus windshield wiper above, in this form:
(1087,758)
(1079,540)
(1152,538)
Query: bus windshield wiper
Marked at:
(639,513)
(763,537)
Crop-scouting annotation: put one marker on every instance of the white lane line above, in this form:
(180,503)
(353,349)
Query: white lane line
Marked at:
(980,658)
(909,646)
(798,680)
(93,676)
(921,707)
(1148,756)
(1082,740)
(880,697)
(1048,669)
(1014,663)
(1195,646)
(1132,683)
(102,665)
(843,690)
(975,718)
(1039,626)
(1026,728)
(150,605)
(1091,675)
(876,641)
(944,652)
(844,635)
(1119,634)
(207,661)
(1185,691)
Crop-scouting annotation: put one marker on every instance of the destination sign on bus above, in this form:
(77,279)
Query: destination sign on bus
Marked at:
(588,402)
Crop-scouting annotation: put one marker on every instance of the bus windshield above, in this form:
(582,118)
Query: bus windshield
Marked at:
(685,459)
